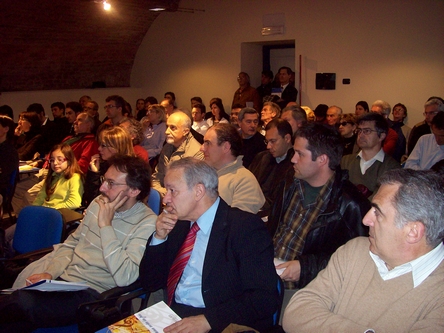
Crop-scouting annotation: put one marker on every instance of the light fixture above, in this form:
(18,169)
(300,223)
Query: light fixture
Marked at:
(157,9)
(106,5)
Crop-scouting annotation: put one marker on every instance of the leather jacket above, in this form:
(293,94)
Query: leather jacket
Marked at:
(340,222)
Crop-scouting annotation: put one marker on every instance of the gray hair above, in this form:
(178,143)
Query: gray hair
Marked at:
(247,110)
(297,113)
(197,172)
(135,129)
(420,197)
(385,107)
(435,101)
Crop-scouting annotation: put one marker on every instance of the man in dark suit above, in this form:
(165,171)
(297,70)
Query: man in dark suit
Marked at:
(289,92)
(230,276)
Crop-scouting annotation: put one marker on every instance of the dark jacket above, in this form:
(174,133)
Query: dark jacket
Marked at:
(239,281)
(340,222)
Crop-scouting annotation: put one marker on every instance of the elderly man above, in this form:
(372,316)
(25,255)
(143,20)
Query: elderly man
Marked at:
(371,162)
(333,115)
(92,108)
(252,141)
(237,186)
(430,147)
(397,286)
(269,166)
(295,116)
(104,251)
(431,108)
(317,208)
(226,256)
(180,143)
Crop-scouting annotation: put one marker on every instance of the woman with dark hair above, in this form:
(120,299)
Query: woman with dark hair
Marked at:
(218,113)
(29,140)
(9,160)
(361,108)
(347,127)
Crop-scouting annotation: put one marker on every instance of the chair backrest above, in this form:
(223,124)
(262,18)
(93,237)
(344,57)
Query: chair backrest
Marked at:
(37,228)
(154,201)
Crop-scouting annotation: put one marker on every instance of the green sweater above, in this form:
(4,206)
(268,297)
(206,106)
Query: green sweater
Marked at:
(68,193)
(350,296)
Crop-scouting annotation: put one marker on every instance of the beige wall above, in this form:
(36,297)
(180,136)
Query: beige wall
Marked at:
(390,50)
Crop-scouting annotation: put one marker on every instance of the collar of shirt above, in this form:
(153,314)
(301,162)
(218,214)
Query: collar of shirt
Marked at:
(205,221)
(283,86)
(281,158)
(421,267)
(365,165)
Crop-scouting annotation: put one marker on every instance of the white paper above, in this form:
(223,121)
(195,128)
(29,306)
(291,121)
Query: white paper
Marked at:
(54,285)
(278,262)
(157,316)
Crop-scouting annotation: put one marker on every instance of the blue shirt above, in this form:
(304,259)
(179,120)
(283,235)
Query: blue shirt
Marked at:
(189,287)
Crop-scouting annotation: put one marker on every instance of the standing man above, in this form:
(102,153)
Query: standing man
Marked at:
(371,162)
(199,123)
(252,141)
(180,143)
(288,92)
(229,277)
(317,208)
(237,186)
(269,166)
(246,95)
(266,84)
(397,286)
(104,251)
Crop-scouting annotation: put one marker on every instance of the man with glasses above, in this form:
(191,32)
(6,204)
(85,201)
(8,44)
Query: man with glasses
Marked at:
(104,251)
(316,210)
(269,166)
(114,108)
(431,109)
(371,162)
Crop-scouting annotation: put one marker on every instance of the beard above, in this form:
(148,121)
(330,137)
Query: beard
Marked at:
(170,140)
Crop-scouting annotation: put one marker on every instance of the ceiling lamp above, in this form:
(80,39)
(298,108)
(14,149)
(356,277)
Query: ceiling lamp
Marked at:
(106,5)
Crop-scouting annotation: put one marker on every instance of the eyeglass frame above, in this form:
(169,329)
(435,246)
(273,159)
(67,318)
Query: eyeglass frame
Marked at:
(59,160)
(365,131)
(106,107)
(110,183)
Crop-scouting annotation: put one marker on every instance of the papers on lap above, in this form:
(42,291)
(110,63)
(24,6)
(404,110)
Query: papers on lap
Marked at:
(152,319)
(52,285)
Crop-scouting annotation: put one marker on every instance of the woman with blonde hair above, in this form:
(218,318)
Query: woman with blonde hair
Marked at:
(112,141)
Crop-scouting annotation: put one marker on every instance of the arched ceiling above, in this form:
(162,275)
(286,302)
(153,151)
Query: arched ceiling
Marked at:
(69,44)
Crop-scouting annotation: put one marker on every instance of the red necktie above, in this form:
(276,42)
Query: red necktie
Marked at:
(181,261)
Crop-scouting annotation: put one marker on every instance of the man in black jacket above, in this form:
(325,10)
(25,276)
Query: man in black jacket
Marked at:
(317,209)
(229,277)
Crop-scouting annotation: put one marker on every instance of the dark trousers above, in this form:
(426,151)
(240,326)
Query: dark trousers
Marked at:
(27,310)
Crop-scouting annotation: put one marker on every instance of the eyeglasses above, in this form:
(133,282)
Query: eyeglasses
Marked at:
(431,113)
(271,141)
(110,183)
(365,131)
(59,160)
(344,123)
(109,107)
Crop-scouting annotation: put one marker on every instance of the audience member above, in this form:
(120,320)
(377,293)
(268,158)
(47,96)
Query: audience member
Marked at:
(347,127)
(295,116)
(195,100)
(115,109)
(269,166)
(169,107)
(218,113)
(397,285)
(288,92)
(200,125)
(61,126)
(180,143)
(92,108)
(317,208)
(234,115)
(237,185)
(196,135)
(112,141)
(246,95)
(229,277)
(365,168)
(150,100)
(104,251)
(361,108)
(72,110)
(321,113)
(154,131)
(140,109)
(430,147)
(252,141)
(308,112)
(171,96)
(135,131)
(270,111)
(29,139)
(431,109)
(399,114)
(6,110)
(391,140)
(333,115)
(266,84)
(47,128)
(84,99)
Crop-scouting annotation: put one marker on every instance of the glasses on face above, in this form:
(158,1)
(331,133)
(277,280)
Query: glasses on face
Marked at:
(59,160)
(431,113)
(271,141)
(365,131)
(109,183)
(106,107)
(344,123)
